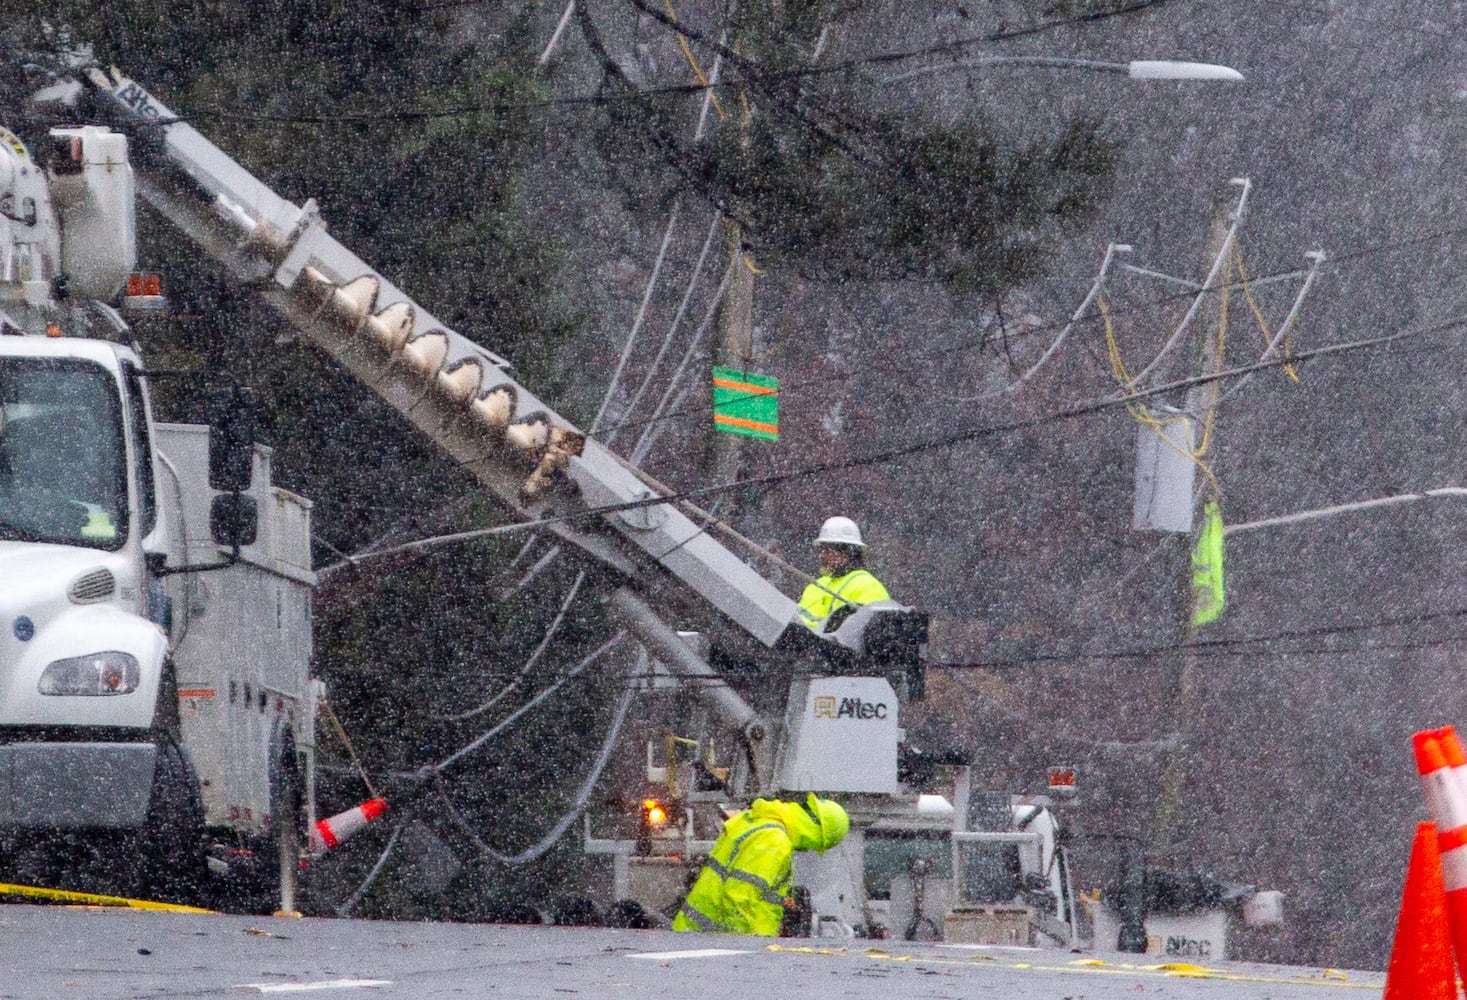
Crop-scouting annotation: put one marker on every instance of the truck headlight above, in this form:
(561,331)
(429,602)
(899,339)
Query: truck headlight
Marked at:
(97,674)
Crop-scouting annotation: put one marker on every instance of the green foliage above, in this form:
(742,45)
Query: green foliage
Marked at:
(779,34)
(905,197)
(829,179)
(412,146)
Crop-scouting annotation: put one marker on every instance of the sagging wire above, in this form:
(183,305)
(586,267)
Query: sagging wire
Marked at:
(698,134)
(431,770)
(530,661)
(1317,259)
(1258,313)
(351,752)
(653,429)
(539,566)
(967,435)
(1208,286)
(560,25)
(350,903)
(1138,410)
(1095,289)
(949,350)
(672,327)
(708,100)
(626,351)
(707,81)
(1212,388)
(578,805)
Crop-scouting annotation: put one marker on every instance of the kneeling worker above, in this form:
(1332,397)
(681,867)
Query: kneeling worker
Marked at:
(751,870)
(844,581)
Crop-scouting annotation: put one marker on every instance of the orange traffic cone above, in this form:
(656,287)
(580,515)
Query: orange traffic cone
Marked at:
(330,832)
(1443,767)
(1421,959)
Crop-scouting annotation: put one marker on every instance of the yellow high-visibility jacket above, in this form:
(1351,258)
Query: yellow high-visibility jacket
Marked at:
(742,888)
(856,587)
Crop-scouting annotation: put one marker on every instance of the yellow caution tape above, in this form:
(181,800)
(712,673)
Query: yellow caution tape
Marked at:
(92,899)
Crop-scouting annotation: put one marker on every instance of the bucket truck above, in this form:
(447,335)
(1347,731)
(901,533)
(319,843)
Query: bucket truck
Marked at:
(791,711)
(155,703)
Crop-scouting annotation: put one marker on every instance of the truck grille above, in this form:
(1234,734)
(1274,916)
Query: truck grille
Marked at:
(90,587)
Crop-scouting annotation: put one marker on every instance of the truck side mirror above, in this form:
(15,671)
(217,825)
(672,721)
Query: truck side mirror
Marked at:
(231,439)
(234,520)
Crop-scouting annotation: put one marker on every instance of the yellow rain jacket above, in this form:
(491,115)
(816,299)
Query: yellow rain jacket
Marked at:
(750,871)
(820,598)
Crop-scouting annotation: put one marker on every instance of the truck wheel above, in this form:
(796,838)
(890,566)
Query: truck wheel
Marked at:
(171,854)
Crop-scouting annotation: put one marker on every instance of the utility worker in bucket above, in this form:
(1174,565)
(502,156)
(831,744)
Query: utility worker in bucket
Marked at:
(749,875)
(844,581)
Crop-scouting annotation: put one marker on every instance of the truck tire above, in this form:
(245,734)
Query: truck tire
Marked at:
(171,846)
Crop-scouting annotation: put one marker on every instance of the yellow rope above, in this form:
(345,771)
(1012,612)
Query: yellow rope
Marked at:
(735,240)
(693,61)
(1258,313)
(1141,414)
(351,751)
(1222,343)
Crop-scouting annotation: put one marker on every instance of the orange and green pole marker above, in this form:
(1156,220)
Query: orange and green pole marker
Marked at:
(746,404)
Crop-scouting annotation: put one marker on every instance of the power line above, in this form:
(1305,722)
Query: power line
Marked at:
(601,100)
(948,349)
(905,451)
(886,58)
(1242,645)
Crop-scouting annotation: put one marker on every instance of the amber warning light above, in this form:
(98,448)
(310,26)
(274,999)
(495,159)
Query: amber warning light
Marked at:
(144,284)
(654,813)
(1062,781)
(144,294)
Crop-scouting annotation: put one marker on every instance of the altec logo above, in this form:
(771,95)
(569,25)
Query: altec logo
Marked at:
(828,706)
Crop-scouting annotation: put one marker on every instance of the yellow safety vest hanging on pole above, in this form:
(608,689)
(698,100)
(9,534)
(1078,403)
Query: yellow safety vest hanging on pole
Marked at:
(1209,597)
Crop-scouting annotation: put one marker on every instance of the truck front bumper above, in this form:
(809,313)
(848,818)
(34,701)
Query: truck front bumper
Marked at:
(60,785)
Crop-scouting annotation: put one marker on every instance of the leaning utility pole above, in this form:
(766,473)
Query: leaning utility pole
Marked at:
(735,347)
(1187,701)
(735,326)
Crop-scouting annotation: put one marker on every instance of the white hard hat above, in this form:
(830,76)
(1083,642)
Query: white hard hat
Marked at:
(839,531)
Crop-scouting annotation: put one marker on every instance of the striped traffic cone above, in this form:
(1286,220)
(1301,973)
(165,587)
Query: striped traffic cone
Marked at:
(1443,768)
(330,832)
(1421,957)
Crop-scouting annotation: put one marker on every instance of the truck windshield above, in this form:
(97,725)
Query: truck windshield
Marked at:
(62,454)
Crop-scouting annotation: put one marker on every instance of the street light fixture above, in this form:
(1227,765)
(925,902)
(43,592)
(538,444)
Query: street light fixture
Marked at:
(1140,69)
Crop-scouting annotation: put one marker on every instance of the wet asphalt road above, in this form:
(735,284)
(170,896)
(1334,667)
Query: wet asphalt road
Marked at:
(110,954)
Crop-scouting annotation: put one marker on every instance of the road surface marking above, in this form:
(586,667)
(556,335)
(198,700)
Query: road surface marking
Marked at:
(327,984)
(698,953)
(1276,975)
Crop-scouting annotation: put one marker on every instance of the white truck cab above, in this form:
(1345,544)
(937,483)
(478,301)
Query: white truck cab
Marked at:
(155,636)
(84,641)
